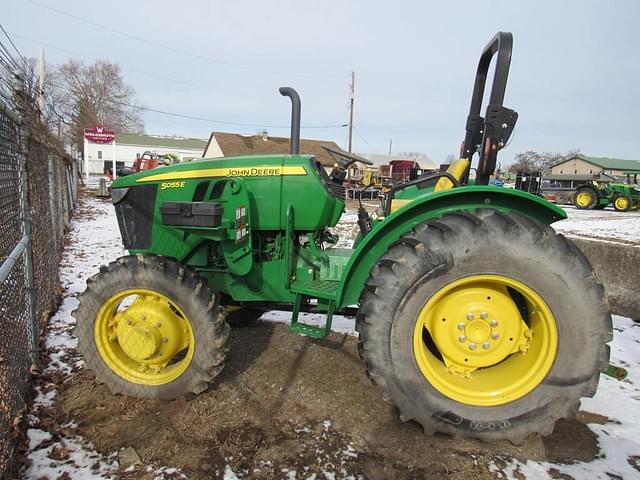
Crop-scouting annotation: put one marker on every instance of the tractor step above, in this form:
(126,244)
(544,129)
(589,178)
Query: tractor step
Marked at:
(311,330)
(325,289)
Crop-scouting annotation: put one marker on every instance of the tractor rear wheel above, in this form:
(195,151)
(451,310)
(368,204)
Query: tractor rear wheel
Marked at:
(622,203)
(585,198)
(484,325)
(149,327)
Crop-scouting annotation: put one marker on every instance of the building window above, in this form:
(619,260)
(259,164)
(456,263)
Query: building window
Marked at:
(591,171)
(561,171)
(99,154)
(575,170)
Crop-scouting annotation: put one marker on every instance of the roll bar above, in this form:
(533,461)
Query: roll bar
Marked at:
(295,118)
(489,134)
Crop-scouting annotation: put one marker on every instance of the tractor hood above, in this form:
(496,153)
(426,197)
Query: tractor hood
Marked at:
(247,166)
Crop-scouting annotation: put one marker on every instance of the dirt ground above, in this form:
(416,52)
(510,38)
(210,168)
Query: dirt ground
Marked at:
(288,403)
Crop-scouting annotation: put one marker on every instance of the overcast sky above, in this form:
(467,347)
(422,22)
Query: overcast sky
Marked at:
(575,71)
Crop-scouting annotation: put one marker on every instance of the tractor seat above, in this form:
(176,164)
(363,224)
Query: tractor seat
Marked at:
(456,170)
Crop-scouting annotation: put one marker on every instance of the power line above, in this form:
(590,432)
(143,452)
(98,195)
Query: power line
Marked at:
(24,60)
(210,120)
(136,70)
(7,58)
(363,139)
(238,124)
(6,63)
(176,50)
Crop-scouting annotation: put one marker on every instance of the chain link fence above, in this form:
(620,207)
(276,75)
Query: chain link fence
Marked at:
(37,195)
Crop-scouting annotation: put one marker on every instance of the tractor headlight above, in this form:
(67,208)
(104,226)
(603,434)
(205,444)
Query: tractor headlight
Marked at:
(117,194)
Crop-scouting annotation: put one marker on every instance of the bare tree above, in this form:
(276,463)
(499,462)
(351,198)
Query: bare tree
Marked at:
(452,157)
(411,155)
(532,161)
(87,95)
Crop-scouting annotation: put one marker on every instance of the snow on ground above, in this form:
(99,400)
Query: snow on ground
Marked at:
(604,224)
(618,439)
(94,241)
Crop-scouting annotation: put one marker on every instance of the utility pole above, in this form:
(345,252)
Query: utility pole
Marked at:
(351,97)
(390,143)
(352,88)
(41,96)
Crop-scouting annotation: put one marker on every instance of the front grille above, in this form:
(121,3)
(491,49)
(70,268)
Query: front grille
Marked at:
(337,191)
(135,216)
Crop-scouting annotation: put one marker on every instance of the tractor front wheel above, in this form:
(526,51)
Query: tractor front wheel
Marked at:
(484,325)
(622,203)
(149,327)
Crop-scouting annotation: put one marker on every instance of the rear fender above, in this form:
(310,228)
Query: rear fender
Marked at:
(428,207)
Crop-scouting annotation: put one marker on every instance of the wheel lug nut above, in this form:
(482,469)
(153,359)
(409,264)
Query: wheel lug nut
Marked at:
(461,326)
(495,336)
(472,346)
(484,315)
(486,345)
(494,323)
(470,316)
(165,340)
(158,325)
(143,318)
(462,338)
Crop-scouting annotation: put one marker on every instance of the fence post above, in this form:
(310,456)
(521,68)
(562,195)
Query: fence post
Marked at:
(19,92)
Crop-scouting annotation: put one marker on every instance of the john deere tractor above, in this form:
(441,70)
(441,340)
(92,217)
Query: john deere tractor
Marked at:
(595,195)
(474,317)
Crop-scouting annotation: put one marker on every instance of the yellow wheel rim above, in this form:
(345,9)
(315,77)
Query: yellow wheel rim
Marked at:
(472,344)
(583,199)
(621,203)
(144,337)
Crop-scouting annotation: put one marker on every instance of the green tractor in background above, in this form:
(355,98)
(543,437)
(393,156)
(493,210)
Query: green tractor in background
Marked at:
(474,317)
(594,195)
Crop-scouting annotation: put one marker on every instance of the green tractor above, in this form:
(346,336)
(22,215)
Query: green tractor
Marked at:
(474,317)
(594,195)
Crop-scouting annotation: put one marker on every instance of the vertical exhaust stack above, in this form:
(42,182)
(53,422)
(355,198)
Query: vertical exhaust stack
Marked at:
(295,118)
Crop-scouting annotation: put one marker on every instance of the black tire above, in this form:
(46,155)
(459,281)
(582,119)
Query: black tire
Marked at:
(562,198)
(186,289)
(243,316)
(622,203)
(460,245)
(591,203)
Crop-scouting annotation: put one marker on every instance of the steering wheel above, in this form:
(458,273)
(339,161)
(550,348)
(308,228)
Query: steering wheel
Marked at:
(339,155)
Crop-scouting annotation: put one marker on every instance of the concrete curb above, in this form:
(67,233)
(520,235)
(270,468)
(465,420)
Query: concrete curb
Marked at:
(617,266)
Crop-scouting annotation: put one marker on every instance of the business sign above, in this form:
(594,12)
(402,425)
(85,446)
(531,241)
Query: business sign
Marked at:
(99,134)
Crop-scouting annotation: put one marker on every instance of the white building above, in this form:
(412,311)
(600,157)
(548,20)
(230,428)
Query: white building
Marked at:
(131,145)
